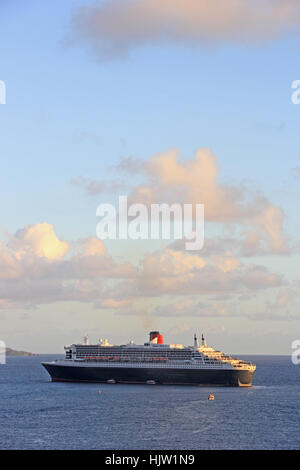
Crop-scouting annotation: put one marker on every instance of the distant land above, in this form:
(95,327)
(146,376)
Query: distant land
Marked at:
(12,352)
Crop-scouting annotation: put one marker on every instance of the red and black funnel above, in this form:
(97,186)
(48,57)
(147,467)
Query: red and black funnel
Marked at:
(155,334)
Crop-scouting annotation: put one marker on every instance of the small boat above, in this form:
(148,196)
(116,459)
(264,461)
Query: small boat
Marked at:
(151,382)
(111,381)
(211,396)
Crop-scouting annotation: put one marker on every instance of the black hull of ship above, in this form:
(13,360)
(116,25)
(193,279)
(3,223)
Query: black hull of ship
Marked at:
(131,375)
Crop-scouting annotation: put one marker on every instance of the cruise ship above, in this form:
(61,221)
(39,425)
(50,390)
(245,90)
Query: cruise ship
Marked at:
(153,362)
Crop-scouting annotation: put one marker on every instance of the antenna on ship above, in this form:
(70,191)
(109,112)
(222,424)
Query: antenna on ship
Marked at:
(86,339)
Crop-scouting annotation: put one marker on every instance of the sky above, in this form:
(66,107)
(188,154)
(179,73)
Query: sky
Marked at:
(186,102)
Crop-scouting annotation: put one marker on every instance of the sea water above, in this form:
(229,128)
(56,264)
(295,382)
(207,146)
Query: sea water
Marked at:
(36,413)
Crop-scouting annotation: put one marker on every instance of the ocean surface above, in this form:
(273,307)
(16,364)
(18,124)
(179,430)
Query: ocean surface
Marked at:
(38,414)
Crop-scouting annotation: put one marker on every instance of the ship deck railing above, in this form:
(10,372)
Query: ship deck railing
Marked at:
(169,364)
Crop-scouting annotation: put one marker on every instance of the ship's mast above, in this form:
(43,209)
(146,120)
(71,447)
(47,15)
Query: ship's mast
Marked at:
(86,339)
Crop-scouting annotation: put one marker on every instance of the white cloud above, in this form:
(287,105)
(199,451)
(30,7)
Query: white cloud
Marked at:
(28,278)
(165,178)
(94,247)
(34,269)
(164,273)
(114,27)
(39,240)
(170,263)
(196,180)
(113,303)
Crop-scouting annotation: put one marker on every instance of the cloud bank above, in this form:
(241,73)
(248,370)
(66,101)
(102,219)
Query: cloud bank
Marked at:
(114,27)
(196,180)
(37,267)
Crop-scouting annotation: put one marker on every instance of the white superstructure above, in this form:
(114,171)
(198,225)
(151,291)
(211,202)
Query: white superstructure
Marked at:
(153,354)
